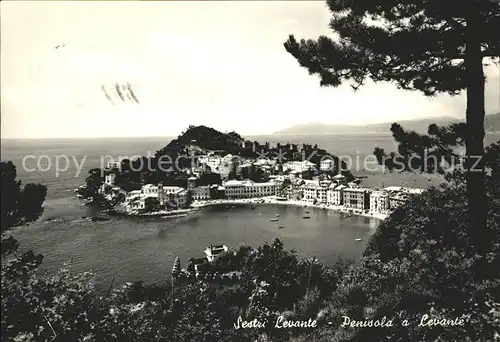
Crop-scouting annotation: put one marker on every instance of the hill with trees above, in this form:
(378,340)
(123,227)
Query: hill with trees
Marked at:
(171,164)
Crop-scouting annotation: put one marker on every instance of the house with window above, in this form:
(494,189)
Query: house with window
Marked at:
(379,202)
(335,194)
(356,198)
(235,189)
(213,251)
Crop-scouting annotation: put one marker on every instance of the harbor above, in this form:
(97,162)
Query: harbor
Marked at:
(144,248)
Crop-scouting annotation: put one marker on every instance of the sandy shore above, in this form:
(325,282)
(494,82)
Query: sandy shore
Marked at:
(274,200)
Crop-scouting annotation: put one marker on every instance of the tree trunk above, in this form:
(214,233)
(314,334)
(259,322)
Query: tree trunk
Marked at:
(474,163)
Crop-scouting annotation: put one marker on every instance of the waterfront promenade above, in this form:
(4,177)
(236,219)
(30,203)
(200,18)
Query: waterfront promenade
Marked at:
(275,200)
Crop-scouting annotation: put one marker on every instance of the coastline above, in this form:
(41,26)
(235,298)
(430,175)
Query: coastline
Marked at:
(162,213)
(196,205)
(274,200)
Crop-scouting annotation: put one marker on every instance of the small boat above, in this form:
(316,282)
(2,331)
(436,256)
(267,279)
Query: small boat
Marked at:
(274,220)
(358,239)
(306,217)
(306,212)
(281,227)
(277,215)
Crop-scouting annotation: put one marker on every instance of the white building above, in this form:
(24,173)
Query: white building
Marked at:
(264,162)
(298,166)
(316,191)
(397,200)
(310,191)
(398,195)
(201,193)
(356,198)
(339,178)
(133,194)
(379,202)
(335,194)
(322,194)
(234,189)
(149,189)
(136,204)
(401,189)
(172,196)
(114,165)
(212,161)
(278,178)
(327,165)
(110,179)
(213,251)
(181,198)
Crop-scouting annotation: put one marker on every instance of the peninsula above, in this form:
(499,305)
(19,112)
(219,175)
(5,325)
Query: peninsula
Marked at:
(203,166)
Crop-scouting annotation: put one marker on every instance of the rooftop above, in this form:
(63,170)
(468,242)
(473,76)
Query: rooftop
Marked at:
(247,183)
(149,186)
(233,183)
(173,188)
(354,190)
(404,189)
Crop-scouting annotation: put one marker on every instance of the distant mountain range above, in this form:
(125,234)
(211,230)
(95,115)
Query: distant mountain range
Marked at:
(491,124)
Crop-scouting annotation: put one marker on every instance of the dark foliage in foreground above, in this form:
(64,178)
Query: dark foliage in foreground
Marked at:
(19,205)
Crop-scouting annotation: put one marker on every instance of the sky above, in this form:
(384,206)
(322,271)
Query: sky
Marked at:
(220,64)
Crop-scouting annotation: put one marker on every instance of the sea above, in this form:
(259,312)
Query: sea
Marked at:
(131,249)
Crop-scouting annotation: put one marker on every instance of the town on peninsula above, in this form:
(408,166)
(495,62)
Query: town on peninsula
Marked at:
(205,167)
